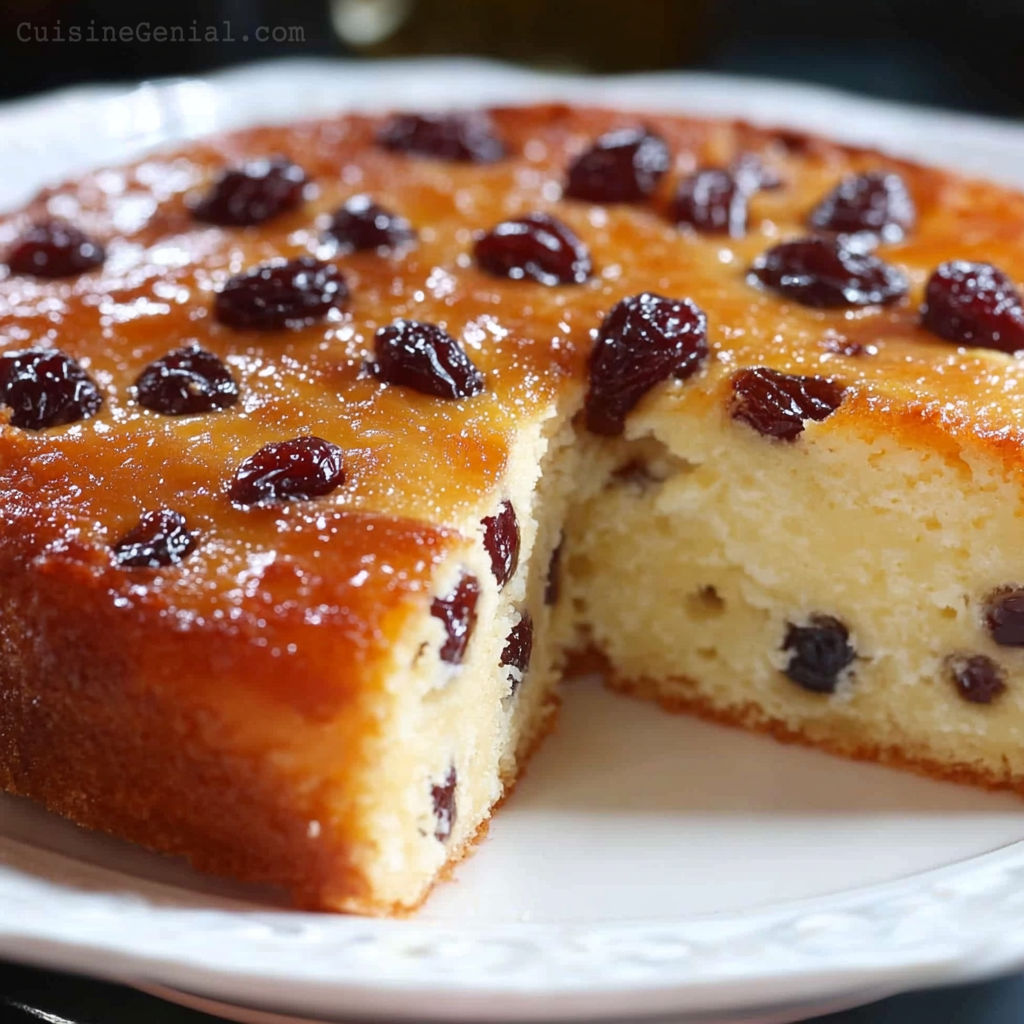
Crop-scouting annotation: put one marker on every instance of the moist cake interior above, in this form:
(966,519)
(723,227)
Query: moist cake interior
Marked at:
(323,473)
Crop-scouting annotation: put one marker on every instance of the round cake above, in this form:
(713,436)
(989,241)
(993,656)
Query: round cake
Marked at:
(328,450)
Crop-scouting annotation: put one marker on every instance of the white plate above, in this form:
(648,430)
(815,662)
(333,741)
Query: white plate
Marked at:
(647,864)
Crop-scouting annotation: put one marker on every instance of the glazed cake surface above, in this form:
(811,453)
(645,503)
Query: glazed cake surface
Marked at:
(783,496)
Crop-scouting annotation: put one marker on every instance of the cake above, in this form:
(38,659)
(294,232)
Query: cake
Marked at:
(328,450)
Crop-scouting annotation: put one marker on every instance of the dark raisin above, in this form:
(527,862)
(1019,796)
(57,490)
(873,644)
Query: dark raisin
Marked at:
(518,650)
(362,225)
(186,381)
(553,584)
(458,613)
(303,467)
(974,304)
(821,651)
(713,202)
(161,538)
(253,193)
(443,796)
(977,678)
(623,166)
(501,541)
(278,295)
(44,387)
(54,249)
(425,358)
(754,175)
(463,137)
(777,404)
(1004,614)
(876,203)
(643,340)
(534,248)
(820,272)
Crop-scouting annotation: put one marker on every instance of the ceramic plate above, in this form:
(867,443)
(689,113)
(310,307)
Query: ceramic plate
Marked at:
(647,864)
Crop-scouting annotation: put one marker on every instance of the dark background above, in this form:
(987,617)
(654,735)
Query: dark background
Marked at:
(41,997)
(954,53)
(951,53)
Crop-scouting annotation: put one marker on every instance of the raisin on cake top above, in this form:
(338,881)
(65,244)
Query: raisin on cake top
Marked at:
(209,305)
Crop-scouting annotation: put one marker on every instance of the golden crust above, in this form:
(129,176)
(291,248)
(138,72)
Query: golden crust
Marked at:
(189,710)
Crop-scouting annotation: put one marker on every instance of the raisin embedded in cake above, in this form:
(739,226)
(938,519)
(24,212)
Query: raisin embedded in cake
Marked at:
(875,205)
(53,249)
(424,358)
(466,137)
(43,387)
(188,380)
(299,469)
(826,274)
(974,304)
(779,404)
(362,225)
(536,247)
(644,340)
(257,191)
(159,539)
(292,555)
(623,166)
(275,295)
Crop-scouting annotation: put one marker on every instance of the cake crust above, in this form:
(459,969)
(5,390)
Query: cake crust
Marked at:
(752,718)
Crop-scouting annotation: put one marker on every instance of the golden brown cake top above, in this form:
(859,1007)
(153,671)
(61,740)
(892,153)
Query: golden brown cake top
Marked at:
(151,272)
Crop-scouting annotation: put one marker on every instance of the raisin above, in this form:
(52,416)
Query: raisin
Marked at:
(424,358)
(461,137)
(777,404)
(458,613)
(977,678)
(821,273)
(44,387)
(754,175)
(643,340)
(54,249)
(713,202)
(501,541)
(623,166)
(303,467)
(877,204)
(443,797)
(253,193)
(362,225)
(161,538)
(1004,615)
(278,295)
(518,650)
(186,381)
(821,651)
(974,304)
(553,583)
(534,248)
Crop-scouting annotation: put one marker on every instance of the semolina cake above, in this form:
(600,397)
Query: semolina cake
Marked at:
(328,450)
